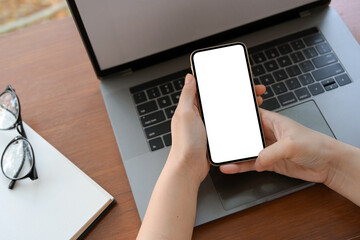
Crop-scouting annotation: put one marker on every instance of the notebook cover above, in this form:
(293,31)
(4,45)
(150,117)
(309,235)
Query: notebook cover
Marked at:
(63,203)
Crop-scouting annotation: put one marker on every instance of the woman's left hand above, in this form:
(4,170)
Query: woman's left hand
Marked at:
(189,145)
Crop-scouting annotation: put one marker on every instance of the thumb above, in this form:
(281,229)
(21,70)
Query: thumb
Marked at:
(188,93)
(273,124)
(271,154)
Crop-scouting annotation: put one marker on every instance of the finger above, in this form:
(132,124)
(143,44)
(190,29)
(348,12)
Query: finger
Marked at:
(188,93)
(272,154)
(259,100)
(274,117)
(238,167)
(260,90)
(276,124)
(272,124)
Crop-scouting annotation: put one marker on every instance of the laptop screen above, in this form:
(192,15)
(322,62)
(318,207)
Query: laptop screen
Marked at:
(123,31)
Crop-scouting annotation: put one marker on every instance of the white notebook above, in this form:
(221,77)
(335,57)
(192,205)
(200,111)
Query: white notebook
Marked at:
(61,204)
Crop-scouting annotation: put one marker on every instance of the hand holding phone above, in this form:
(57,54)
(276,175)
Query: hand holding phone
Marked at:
(228,103)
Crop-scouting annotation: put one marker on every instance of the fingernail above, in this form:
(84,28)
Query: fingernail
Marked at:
(188,78)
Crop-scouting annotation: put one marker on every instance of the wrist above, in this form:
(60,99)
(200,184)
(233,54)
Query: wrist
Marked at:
(344,172)
(339,153)
(332,164)
(182,166)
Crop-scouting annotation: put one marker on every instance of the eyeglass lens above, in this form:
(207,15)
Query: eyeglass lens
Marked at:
(17,160)
(9,109)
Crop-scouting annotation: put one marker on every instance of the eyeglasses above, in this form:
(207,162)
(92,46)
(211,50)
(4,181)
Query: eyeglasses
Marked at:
(18,159)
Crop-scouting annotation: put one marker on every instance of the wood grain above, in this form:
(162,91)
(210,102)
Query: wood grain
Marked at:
(61,99)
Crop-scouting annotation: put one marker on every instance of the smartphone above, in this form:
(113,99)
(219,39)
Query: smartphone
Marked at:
(228,103)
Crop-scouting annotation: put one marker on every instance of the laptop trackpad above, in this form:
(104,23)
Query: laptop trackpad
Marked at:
(253,188)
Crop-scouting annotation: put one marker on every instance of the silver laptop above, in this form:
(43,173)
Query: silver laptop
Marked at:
(300,49)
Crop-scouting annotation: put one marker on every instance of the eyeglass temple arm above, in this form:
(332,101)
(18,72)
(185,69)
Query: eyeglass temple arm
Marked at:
(34,173)
(33,177)
(12,184)
(21,130)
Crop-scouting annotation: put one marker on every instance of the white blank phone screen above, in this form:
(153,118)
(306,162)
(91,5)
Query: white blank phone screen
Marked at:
(228,104)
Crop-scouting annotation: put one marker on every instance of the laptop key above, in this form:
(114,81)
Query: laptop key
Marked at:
(329,84)
(268,93)
(156,144)
(279,88)
(316,89)
(280,75)
(166,88)
(313,39)
(306,66)
(259,57)
(157,130)
(293,71)
(179,83)
(328,81)
(152,118)
(292,83)
(147,107)
(164,101)
(175,97)
(343,79)
(327,72)
(306,79)
(287,98)
(323,48)
(271,66)
(256,81)
(267,79)
(139,97)
(153,92)
(331,87)
(284,61)
(297,44)
(284,49)
(170,111)
(272,53)
(302,93)
(270,104)
(310,52)
(167,139)
(258,70)
(324,60)
(297,57)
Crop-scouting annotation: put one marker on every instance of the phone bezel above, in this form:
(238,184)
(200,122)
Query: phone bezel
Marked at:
(193,69)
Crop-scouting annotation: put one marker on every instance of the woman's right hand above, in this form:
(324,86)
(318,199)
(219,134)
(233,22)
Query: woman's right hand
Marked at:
(292,150)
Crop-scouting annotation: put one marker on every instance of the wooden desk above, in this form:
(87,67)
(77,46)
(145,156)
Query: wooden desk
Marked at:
(60,97)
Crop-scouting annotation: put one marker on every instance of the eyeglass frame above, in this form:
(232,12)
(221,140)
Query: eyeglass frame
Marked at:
(32,174)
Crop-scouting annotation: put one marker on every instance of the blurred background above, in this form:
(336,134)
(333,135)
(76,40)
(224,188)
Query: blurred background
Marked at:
(16,14)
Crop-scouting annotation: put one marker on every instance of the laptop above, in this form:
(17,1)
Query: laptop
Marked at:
(300,50)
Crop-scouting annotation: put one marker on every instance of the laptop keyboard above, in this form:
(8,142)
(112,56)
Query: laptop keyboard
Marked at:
(293,68)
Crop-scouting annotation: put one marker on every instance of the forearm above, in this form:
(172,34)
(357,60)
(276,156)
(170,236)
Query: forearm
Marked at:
(172,208)
(344,173)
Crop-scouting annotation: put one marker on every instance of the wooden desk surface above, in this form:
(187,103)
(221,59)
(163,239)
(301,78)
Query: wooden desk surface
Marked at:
(61,100)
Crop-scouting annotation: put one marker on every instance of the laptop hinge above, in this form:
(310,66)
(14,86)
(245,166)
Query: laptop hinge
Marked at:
(125,72)
(305,13)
